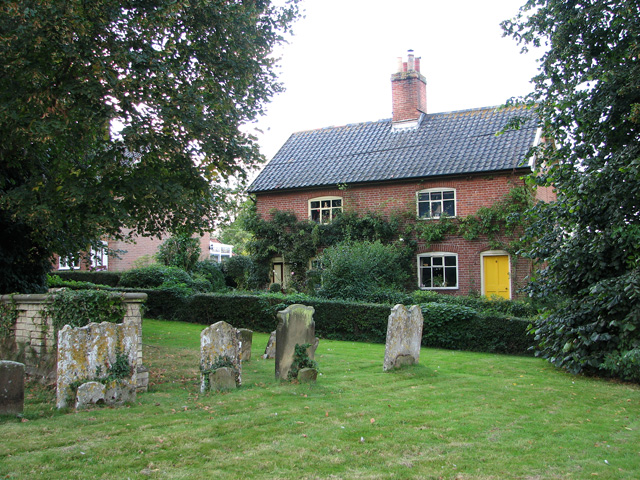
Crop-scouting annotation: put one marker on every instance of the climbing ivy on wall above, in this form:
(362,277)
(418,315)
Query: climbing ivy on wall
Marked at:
(501,223)
(298,241)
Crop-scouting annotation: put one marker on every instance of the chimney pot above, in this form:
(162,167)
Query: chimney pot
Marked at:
(409,91)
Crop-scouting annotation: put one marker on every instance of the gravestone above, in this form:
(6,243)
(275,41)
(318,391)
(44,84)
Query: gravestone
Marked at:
(270,351)
(295,327)
(246,339)
(99,352)
(219,348)
(11,387)
(90,393)
(404,334)
(307,375)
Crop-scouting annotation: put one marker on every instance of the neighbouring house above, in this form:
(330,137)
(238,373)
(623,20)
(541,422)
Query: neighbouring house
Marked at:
(138,253)
(433,164)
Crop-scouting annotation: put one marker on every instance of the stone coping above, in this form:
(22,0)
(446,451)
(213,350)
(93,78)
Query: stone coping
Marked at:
(45,297)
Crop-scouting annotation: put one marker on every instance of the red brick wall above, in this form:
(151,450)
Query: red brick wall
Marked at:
(472,192)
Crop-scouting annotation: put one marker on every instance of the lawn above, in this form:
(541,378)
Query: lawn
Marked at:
(457,415)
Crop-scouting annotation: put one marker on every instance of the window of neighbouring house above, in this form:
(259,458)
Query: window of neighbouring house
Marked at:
(437,270)
(66,263)
(100,258)
(435,202)
(324,209)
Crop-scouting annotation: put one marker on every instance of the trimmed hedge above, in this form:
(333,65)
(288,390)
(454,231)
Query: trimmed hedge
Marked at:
(110,279)
(446,325)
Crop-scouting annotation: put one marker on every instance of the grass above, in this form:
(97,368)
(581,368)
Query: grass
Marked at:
(457,415)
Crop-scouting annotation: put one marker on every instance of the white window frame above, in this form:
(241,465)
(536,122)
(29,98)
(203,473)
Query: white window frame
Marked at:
(330,208)
(100,258)
(442,191)
(63,263)
(220,251)
(441,255)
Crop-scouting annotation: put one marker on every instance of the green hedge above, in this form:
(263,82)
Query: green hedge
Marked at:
(446,325)
(110,279)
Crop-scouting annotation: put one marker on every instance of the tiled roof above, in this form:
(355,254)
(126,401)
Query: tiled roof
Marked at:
(443,144)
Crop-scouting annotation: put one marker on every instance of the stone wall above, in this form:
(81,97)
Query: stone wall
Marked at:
(35,336)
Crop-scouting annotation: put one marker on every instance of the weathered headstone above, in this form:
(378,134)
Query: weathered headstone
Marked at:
(295,327)
(246,339)
(103,352)
(404,335)
(11,387)
(307,375)
(219,348)
(270,351)
(90,393)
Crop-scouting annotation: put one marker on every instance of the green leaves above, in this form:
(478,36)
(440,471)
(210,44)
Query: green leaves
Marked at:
(586,242)
(121,117)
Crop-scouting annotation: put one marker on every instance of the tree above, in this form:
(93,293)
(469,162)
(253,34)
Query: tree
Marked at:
(181,251)
(587,95)
(125,115)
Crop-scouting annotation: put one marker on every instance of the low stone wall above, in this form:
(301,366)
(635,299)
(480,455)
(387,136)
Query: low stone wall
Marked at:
(34,334)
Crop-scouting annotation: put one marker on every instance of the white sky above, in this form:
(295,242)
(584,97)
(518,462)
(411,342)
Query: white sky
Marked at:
(337,67)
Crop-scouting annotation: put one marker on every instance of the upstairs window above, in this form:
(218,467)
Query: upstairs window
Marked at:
(436,202)
(324,209)
(438,270)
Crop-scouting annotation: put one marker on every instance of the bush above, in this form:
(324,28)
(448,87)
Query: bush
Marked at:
(181,251)
(362,271)
(624,365)
(109,279)
(154,276)
(240,271)
(212,272)
(79,308)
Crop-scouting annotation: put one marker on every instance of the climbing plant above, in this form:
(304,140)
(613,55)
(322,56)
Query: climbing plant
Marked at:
(500,222)
(79,308)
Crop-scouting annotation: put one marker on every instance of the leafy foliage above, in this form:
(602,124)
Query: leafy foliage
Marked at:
(366,271)
(301,360)
(124,118)
(79,308)
(587,243)
(182,251)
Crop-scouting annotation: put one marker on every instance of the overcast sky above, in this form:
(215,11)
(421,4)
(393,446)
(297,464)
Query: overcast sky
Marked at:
(337,66)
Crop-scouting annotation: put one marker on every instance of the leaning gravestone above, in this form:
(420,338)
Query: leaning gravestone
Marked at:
(404,334)
(106,353)
(11,387)
(270,351)
(246,339)
(219,349)
(295,327)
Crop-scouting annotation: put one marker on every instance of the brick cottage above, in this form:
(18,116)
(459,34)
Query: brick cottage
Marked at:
(433,164)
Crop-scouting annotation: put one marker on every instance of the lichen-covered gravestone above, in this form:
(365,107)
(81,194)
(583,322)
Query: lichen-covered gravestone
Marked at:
(270,350)
(11,387)
(404,335)
(295,327)
(246,340)
(106,353)
(219,349)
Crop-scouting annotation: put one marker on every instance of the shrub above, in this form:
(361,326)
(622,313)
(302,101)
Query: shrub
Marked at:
(275,288)
(240,270)
(624,365)
(109,279)
(154,276)
(212,272)
(362,270)
(181,251)
(79,308)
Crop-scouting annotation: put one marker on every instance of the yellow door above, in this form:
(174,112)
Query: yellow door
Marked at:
(496,276)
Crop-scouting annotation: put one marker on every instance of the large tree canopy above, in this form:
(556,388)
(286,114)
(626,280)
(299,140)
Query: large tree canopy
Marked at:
(118,115)
(587,94)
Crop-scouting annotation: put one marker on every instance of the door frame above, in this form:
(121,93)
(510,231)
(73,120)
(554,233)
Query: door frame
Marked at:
(495,253)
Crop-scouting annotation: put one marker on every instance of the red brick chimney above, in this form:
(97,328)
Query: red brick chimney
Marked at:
(409,91)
